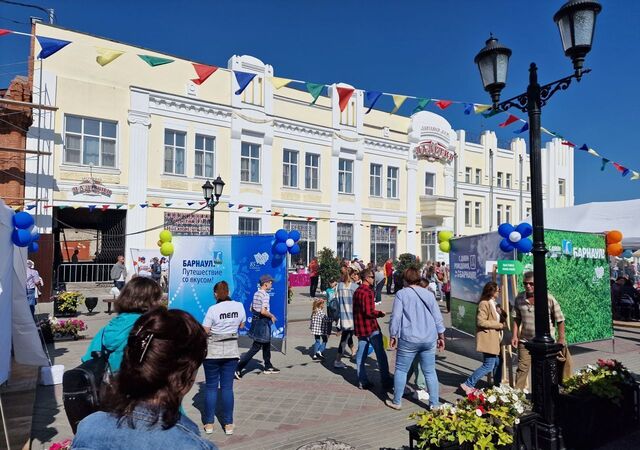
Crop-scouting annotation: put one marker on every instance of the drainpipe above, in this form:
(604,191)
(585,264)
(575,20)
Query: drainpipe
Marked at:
(521,205)
(455,194)
(490,189)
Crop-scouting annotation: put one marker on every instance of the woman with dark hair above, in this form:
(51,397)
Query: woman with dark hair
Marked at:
(221,324)
(136,298)
(142,406)
(489,323)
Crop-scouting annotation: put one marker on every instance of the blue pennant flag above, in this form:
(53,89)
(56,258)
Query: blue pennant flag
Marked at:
(243,78)
(91,208)
(524,128)
(468,107)
(604,163)
(584,148)
(371,97)
(50,46)
(230,205)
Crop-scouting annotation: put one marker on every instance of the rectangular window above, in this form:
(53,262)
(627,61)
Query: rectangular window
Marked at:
(248,225)
(308,237)
(174,151)
(345,176)
(499,179)
(467,174)
(478,214)
(345,241)
(528,183)
(507,213)
(429,242)
(499,214)
(528,211)
(250,163)
(561,186)
(508,181)
(205,147)
(429,183)
(90,142)
(290,168)
(375,180)
(392,182)
(383,243)
(478,176)
(311,170)
(467,214)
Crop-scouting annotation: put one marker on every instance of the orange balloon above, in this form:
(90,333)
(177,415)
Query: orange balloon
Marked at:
(615,249)
(614,236)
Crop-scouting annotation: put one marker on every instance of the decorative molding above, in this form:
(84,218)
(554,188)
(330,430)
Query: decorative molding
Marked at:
(385,146)
(302,130)
(182,106)
(139,118)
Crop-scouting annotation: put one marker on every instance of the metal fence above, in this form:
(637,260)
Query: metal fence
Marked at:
(84,273)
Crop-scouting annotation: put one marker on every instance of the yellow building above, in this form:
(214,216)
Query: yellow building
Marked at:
(369,185)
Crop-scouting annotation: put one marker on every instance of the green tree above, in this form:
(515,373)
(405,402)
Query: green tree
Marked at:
(329,267)
(407,260)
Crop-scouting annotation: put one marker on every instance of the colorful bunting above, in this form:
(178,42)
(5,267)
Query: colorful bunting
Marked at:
(230,205)
(315,90)
(635,175)
(3,32)
(155,61)
(344,94)
(490,113)
(203,71)
(568,143)
(477,108)
(30,207)
(166,205)
(524,128)
(509,121)
(50,46)
(118,206)
(105,207)
(468,107)
(621,169)
(604,163)
(443,104)
(589,150)
(132,206)
(280,82)
(105,55)
(155,205)
(190,203)
(422,104)
(91,208)
(143,205)
(370,98)
(398,100)
(243,79)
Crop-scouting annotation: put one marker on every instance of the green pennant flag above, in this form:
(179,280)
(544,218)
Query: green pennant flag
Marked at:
(315,90)
(154,61)
(285,215)
(62,206)
(422,104)
(168,204)
(249,208)
(491,113)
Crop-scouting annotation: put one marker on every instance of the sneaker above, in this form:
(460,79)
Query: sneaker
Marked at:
(208,428)
(228,429)
(315,357)
(237,374)
(320,355)
(467,389)
(421,395)
(271,370)
(339,365)
(392,405)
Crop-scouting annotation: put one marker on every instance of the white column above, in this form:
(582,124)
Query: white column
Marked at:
(412,192)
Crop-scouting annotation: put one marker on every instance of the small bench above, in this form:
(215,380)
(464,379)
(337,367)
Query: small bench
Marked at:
(109,301)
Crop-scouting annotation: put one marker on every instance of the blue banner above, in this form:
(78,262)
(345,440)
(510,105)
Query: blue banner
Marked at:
(199,262)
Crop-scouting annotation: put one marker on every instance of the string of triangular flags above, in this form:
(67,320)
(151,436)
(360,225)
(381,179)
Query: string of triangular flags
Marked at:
(50,46)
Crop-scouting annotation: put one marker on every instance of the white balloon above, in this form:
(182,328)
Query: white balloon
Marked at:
(514,236)
(289,242)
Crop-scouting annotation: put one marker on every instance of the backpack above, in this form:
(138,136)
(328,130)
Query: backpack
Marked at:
(81,387)
(333,309)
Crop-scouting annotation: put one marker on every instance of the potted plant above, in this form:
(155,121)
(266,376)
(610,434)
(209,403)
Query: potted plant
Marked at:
(66,303)
(486,419)
(329,268)
(66,329)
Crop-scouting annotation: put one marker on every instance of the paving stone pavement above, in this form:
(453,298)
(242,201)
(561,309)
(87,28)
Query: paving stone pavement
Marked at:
(310,401)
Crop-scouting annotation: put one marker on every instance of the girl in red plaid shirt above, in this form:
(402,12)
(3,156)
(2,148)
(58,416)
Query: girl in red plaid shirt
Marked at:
(320,326)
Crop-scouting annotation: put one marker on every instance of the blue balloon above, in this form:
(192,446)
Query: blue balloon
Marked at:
(505,230)
(21,238)
(280,248)
(35,236)
(33,247)
(506,246)
(627,253)
(22,220)
(295,249)
(281,235)
(524,245)
(525,229)
(295,235)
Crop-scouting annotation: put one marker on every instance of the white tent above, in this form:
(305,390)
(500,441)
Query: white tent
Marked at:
(598,217)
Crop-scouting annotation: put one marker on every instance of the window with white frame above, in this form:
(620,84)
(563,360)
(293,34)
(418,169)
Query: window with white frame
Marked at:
(467,174)
(561,186)
(90,142)
(290,168)
(345,176)
(375,180)
(308,237)
(478,176)
(499,213)
(254,92)
(383,243)
(205,147)
(467,214)
(250,163)
(429,183)
(478,214)
(508,181)
(392,182)
(348,116)
(507,213)
(528,183)
(345,241)
(527,211)
(311,170)
(429,242)
(499,179)
(248,225)
(174,151)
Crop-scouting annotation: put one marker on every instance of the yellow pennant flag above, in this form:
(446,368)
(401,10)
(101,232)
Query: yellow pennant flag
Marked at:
(477,108)
(132,206)
(398,100)
(280,82)
(635,176)
(105,55)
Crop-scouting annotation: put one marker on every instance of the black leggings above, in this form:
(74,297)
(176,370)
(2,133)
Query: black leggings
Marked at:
(345,338)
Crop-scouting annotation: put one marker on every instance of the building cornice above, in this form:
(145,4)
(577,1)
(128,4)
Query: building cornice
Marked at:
(385,146)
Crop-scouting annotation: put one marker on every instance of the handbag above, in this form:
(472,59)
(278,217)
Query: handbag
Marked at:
(260,330)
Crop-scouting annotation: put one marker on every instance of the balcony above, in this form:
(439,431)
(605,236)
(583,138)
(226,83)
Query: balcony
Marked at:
(437,206)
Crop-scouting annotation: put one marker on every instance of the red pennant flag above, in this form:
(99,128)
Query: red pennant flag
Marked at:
(104,207)
(203,72)
(276,213)
(621,169)
(344,94)
(443,104)
(47,206)
(240,206)
(569,143)
(155,205)
(309,219)
(3,32)
(509,121)
(202,203)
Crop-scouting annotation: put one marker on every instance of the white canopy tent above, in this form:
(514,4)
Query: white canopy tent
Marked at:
(598,217)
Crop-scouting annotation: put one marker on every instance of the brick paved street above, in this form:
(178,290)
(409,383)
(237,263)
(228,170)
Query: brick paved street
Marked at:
(309,400)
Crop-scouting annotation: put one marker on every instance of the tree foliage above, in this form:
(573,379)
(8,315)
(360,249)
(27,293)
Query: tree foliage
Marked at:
(329,267)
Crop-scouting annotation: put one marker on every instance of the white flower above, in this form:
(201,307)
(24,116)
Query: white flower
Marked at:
(517,421)
(492,399)
(525,391)
(520,409)
(514,397)
(614,373)
(504,399)
(479,412)
(454,410)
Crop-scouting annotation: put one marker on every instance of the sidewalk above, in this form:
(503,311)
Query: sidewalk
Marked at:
(309,401)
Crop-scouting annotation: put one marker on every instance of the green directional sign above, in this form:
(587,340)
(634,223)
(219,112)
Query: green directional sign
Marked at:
(510,267)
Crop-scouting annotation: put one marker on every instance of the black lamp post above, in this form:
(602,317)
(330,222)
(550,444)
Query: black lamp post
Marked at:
(212,193)
(576,20)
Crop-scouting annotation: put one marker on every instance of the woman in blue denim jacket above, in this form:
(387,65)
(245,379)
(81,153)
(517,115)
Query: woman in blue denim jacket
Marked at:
(142,406)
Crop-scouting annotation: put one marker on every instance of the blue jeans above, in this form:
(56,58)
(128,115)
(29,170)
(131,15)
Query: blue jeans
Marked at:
(219,372)
(490,364)
(375,339)
(320,344)
(406,353)
(419,374)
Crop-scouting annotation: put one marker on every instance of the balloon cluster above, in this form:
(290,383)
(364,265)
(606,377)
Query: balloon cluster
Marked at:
(166,247)
(286,241)
(614,243)
(443,240)
(515,238)
(23,233)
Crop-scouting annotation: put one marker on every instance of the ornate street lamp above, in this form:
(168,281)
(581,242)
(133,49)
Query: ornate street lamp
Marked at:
(212,193)
(576,20)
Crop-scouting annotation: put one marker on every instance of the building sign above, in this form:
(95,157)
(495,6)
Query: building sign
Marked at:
(433,151)
(186,224)
(91,186)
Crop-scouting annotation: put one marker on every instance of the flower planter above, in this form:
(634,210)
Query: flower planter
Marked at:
(91,303)
(58,313)
(66,337)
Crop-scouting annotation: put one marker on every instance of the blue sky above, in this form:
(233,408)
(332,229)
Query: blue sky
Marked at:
(421,48)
